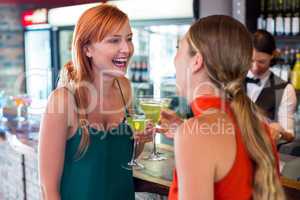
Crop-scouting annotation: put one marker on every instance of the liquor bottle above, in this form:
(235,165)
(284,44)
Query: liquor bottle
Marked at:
(133,71)
(139,73)
(285,67)
(276,63)
(261,20)
(270,22)
(296,73)
(145,71)
(279,27)
(287,17)
(295,52)
(130,71)
(286,56)
(293,56)
(296,17)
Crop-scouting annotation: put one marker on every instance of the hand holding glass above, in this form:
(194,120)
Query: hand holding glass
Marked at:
(152,108)
(137,125)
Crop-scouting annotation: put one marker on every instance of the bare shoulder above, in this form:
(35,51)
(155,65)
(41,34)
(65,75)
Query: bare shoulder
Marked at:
(216,123)
(61,101)
(124,83)
(124,80)
(205,131)
(211,135)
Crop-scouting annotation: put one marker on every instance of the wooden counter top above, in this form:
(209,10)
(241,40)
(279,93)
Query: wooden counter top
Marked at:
(159,172)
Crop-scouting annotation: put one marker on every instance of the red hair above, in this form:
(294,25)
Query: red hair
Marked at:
(93,25)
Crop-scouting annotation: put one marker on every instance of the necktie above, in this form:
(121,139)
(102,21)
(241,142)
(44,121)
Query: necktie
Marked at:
(253,80)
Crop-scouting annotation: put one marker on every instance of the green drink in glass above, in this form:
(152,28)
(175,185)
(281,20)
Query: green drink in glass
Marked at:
(151,108)
(137,125)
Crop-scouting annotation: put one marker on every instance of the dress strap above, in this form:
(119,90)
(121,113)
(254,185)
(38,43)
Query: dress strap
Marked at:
(123,99)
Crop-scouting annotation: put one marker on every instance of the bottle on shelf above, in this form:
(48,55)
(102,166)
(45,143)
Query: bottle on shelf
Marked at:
(296,73)
(138,72)
(292,57)
(132,70)
(287,17)
(296,17)
(261,20)
(144,71)
(276,64)
(279,24)
(284,62)
(270,22)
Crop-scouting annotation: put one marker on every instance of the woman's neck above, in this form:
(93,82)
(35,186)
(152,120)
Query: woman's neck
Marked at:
(104,83)
(201,85)
(207,89)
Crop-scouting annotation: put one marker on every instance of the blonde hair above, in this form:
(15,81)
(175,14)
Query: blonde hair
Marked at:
(93,25)
(226,47)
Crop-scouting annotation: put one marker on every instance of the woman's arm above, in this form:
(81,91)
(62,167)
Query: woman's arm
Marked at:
(53,136)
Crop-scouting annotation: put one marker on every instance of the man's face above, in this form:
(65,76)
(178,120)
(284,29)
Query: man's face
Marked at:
(260,62)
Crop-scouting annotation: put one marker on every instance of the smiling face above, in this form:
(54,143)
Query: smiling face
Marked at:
(112,54)
(260,62)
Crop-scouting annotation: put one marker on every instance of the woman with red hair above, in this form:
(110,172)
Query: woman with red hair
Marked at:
(84,140)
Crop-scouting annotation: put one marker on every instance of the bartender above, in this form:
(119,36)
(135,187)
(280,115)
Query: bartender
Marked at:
(275,97)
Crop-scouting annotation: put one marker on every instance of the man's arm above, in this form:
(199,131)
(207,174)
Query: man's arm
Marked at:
(286,111)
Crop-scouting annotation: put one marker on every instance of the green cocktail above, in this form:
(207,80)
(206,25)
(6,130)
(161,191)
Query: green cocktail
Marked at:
(151,109)
(137,124)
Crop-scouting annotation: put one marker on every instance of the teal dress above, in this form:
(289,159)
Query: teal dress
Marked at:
(100,174)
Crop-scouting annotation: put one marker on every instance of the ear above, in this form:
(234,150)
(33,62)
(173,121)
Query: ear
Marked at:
(197,64)
(87,50)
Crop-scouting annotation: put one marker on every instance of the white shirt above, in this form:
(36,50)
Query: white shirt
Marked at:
(287,106)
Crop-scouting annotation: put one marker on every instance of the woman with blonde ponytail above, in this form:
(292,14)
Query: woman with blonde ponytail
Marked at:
(225,152)
(84,139)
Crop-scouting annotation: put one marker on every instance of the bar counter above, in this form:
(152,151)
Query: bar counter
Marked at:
(19,175)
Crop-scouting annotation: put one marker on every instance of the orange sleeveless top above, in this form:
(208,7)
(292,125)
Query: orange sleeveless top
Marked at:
(237,184)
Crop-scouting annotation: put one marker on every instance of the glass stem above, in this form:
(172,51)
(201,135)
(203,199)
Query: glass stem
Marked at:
(19,111)
(133,151)
(154,143)
(1,112)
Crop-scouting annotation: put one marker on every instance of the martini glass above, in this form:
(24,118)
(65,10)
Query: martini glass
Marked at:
(152,107)
(20,102)
(137,124)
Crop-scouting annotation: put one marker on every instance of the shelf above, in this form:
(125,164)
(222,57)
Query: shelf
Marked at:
(288,39)
(142,85)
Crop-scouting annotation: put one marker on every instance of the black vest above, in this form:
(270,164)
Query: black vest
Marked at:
(270,97)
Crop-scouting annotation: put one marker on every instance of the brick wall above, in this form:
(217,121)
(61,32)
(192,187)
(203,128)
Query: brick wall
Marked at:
(11,49)
(17,172)
(11,173)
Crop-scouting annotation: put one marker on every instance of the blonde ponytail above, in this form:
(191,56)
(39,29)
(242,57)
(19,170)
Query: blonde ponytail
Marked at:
(266,184)
(226,47)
